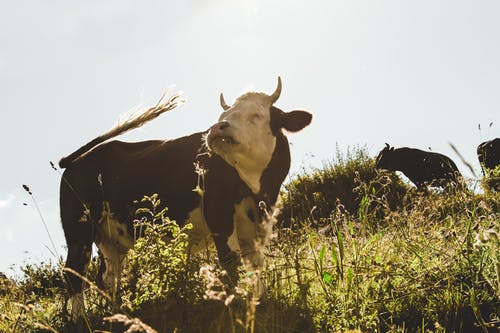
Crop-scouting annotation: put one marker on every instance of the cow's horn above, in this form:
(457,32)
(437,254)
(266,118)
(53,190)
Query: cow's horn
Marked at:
(277,92)
(387,145)
(223,102)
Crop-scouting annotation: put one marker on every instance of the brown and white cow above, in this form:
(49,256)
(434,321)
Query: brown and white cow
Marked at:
(245,156)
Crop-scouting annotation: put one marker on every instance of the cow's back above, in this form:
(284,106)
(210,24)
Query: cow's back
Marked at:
(120,173)
(422,166)
(488,153)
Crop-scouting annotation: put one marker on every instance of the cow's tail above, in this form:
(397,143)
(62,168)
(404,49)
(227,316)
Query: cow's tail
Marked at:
(135,120)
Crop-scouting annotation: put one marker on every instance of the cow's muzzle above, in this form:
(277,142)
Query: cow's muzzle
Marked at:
(221,133)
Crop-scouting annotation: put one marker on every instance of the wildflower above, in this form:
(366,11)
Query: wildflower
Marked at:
(215,287)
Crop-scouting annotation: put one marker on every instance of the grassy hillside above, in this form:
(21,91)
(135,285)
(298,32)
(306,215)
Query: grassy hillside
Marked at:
(357,250)
(349,183)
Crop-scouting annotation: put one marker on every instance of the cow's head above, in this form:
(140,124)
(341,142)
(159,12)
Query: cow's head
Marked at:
(384,158)
(245,136)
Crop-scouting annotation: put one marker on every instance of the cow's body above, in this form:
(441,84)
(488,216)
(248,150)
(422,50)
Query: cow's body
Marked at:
(421,167)
(241,178)
(488,153)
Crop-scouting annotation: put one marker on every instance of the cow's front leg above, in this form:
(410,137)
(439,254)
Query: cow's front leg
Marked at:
(228,259)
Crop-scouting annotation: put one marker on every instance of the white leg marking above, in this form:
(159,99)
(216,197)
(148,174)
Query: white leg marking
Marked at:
(114,242)
(77,307)
(199,236)
(113,260)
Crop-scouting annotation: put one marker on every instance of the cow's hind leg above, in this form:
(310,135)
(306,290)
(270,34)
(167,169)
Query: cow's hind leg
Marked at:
(76,266)
(109,272)
(78,231)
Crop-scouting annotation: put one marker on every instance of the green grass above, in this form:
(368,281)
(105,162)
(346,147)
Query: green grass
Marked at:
(389,260)
(491,180)
(349,183)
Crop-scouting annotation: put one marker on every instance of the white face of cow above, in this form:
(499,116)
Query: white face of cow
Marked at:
(243,135)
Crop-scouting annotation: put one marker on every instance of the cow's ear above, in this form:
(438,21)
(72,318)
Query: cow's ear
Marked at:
(294,121)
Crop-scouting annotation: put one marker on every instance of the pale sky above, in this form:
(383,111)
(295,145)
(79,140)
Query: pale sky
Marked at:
(411,73)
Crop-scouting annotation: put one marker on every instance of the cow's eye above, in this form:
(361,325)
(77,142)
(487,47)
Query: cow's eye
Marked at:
(255,117)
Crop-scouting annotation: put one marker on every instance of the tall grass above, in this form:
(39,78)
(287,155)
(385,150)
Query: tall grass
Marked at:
(348,183)
(491,179)
(381,258)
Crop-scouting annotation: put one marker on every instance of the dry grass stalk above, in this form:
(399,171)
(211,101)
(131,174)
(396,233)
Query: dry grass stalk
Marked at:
(136,325)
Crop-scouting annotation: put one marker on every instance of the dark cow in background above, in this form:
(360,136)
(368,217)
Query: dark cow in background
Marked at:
(488,154)
(421,167)
(245,156)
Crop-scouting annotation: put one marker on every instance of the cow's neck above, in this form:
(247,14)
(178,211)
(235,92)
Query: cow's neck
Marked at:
(276,171)
(251,170)
(251,177)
